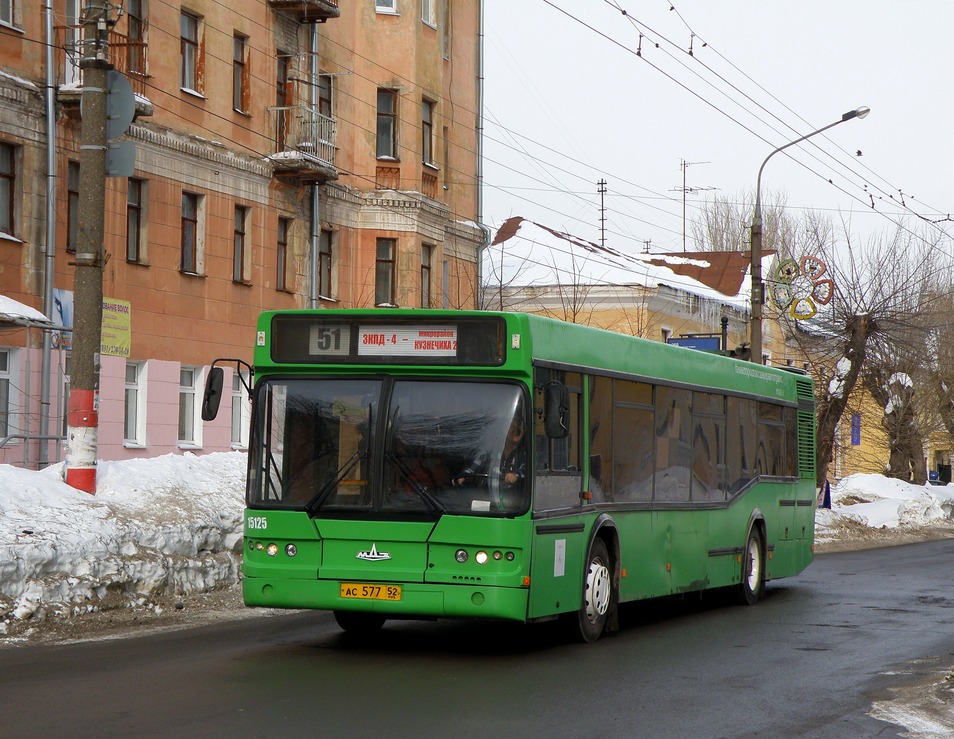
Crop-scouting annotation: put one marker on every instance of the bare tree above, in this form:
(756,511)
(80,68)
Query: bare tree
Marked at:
(883,293)
(724,222)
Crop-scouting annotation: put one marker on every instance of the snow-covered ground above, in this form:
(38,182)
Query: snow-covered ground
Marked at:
(173,526)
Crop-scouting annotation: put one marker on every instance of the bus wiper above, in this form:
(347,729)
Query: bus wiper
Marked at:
(322,495)
(433,504)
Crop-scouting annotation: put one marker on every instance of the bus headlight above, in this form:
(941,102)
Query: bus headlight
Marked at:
(481,557)
(272,549)
(461,555)
(291,550)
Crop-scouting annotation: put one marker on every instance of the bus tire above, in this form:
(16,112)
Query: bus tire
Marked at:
(597,593)
(753,568)
(357,622)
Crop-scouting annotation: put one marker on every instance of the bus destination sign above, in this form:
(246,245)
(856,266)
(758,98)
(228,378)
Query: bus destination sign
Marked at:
(333,339)
(407,341)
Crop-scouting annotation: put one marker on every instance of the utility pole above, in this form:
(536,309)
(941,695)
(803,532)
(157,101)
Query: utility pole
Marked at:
(684,165)
(83,409)
(601,185)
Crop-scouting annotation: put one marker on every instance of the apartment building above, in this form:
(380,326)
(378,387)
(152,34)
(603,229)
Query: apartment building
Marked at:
(287,154)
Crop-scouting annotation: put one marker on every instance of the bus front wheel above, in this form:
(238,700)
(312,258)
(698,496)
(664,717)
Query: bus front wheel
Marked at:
(597,593)
(753,569)
(355,622)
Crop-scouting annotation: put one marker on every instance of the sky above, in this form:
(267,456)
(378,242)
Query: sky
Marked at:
(573,96)
(173,524)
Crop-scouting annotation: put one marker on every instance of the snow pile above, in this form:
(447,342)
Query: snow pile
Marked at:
(877,502)
(169,525)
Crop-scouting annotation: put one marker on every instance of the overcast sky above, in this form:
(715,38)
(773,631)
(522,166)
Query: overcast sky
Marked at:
(569,102)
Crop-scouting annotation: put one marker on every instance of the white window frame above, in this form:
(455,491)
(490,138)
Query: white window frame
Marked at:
(241,411)
(8,376)
(429,12)
(189,401)
(137,386)
(386,6)
(74,39)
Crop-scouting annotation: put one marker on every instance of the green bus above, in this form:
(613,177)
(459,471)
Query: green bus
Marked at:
(429,464)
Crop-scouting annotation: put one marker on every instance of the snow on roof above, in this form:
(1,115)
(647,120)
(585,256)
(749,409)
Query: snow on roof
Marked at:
(527,253)
(11,310)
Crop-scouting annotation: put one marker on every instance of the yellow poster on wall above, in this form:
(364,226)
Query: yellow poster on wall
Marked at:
(117,328)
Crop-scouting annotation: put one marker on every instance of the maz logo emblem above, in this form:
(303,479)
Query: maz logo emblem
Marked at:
(374,555)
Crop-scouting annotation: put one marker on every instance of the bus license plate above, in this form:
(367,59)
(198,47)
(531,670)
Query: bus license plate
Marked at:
(367,591)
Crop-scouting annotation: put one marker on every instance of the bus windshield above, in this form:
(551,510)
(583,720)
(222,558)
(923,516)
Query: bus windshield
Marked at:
(389,447)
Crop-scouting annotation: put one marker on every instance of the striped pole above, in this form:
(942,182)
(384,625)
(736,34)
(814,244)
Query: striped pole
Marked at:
(82,428)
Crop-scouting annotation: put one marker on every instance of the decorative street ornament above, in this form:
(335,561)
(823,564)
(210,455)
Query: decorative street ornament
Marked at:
(800,287)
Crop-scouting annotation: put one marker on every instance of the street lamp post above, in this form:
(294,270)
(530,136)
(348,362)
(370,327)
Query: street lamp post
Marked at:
(758,289)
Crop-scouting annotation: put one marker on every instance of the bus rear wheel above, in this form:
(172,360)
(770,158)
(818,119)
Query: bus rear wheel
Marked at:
(597,593)
(753,569)
(356,622)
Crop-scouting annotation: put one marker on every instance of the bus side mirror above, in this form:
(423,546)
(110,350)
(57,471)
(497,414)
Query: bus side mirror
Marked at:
(213,393)
(556,410)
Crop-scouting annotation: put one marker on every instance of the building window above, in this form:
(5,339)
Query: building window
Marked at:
(134,220)
(445,140)
(429,12)
(445,29)
(324,265)
(324,95)
(136,31)
(427,252)
(73,42)
(284,228)
(134,395)
(190,52)
(72,205)
(6,12)
(7,172)
(5,377)
(241,411)
(387,124)
(385,6)
(241,262)
(187,397)
(427,132)
(240,77)
(281,100)
(384,272)
(191,234)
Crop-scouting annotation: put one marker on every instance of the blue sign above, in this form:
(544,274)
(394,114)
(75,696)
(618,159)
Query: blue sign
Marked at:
(704,343)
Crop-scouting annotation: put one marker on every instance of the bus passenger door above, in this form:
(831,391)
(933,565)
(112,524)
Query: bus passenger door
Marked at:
(556,573)
(556,576)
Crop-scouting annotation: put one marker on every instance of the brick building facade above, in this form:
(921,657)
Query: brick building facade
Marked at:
(288,154)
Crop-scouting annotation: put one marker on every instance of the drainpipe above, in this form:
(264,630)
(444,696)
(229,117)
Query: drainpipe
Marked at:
(478,298)
(315,192)
(49,267)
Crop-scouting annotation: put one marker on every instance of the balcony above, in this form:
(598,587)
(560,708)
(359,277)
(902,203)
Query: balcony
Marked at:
(304,142)
(126,55)
(308,11)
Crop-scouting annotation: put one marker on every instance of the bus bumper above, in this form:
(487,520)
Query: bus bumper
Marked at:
(428,600)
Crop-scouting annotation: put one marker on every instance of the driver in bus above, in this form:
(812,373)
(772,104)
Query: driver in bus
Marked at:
(513,463)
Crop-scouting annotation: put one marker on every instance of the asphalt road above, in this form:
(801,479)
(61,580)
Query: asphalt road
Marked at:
(811,660)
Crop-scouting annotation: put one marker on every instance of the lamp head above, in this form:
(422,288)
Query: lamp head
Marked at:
(859,113)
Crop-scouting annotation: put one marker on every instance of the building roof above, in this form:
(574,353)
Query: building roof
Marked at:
(524,252)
